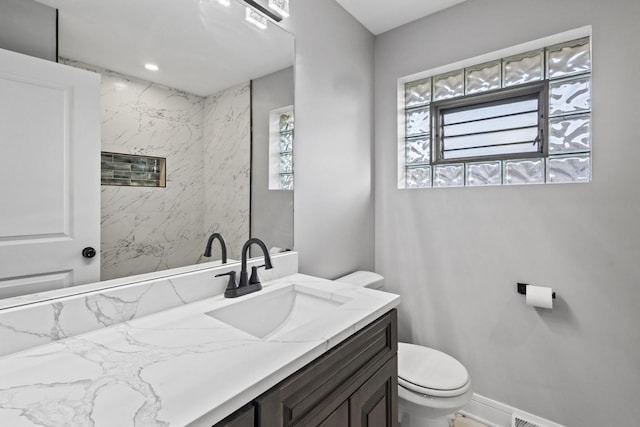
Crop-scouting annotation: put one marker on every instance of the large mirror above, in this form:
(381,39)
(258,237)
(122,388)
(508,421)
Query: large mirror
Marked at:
(216,109)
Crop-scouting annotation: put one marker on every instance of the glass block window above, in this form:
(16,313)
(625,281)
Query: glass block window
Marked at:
(131,170)
(281,124)
(286,150)
(521,119)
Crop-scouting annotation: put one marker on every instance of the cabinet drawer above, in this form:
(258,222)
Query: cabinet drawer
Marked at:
(318,389)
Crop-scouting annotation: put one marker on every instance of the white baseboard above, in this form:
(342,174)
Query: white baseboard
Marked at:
(497,414)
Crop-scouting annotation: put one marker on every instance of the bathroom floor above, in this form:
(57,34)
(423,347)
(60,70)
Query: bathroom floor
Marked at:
(462,421)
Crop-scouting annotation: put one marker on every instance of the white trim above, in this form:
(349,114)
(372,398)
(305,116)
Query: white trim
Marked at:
(497,414)
(401,155)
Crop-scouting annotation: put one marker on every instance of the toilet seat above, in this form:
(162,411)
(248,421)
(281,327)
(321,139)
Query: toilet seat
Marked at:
(431,372)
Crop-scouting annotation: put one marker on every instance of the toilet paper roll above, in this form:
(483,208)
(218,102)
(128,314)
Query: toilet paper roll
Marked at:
(539,296)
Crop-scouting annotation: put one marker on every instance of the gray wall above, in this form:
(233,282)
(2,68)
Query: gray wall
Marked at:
(333,223)
(271,210)
(455,255)
(28,27)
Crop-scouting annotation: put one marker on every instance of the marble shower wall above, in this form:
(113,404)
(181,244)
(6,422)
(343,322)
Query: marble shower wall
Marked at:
(147,229)
(150,229)
(227,157)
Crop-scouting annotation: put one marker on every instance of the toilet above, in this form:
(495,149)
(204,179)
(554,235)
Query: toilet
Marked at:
(431,384)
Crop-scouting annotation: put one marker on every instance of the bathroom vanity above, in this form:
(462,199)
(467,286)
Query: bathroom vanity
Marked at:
(353,384)
(303,351)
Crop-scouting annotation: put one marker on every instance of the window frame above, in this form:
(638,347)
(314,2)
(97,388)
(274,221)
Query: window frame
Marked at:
(487,99)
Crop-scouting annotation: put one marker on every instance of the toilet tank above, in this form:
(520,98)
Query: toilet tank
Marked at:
(365,279)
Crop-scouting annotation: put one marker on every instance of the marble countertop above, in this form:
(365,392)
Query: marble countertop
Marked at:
(174,368)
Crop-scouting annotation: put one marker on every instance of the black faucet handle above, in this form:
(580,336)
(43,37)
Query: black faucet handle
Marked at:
(232,279)
(254,279)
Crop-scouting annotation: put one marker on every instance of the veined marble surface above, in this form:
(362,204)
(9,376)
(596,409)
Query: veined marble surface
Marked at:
(34,320)
(148,229)
(227,159)
(207,144)
(175,368)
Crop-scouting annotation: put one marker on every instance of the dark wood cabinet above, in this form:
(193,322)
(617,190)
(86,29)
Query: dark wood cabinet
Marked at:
(375,404)
(243,417)
(353,384)
(357,378)
(338,418)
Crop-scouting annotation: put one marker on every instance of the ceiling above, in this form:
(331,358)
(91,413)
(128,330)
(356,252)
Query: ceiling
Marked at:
(200,46)
(383,15)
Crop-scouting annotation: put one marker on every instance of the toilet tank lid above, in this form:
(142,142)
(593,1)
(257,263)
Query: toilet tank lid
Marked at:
(430,369)
(367,279)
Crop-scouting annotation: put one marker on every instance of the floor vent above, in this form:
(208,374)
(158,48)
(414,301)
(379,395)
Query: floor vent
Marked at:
(522,421)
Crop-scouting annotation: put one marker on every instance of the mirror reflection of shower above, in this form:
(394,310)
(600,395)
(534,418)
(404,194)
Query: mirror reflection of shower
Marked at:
(193,110)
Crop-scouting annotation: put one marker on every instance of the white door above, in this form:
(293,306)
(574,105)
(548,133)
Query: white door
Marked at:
(49,175)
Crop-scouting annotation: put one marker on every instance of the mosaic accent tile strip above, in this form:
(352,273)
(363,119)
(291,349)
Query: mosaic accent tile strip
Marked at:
(132,170)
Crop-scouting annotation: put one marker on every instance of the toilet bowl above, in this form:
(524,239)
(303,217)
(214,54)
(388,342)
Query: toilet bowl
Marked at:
(431,384)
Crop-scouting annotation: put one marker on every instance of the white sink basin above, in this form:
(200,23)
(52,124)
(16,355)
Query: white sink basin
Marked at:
(271,314)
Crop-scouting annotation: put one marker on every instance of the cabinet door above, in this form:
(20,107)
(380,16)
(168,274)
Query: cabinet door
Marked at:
(338,418)
(314,394)
(375,404)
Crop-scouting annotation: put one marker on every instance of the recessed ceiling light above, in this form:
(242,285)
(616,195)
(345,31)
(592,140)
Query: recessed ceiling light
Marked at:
(225,2)
(151,67)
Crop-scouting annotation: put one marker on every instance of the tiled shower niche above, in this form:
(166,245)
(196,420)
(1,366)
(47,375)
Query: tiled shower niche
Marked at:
(131,170)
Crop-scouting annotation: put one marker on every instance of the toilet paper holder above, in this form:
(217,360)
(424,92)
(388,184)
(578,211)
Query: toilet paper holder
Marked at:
(522,289)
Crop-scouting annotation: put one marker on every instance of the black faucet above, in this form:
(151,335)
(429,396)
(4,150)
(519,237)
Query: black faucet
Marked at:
(254,280)
(223,246)
(247,284)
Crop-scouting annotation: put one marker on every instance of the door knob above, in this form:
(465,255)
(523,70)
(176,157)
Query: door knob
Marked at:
(88,252)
